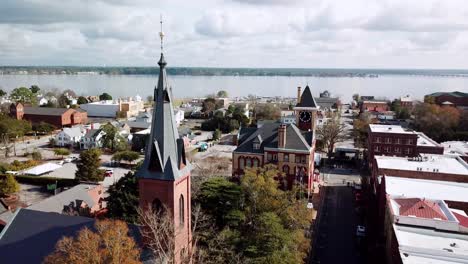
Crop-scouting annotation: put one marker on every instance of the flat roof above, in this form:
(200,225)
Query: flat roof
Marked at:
(430,189)
(455,147)
(425,141)
(423,245)
(427,163)
(389,129)
(41,169)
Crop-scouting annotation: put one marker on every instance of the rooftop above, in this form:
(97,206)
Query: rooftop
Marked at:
(375,128)
(429,189)
(417,207)
(426,141)
(47,111)
(423,245)
(455,147)
(425,162)
(73,196)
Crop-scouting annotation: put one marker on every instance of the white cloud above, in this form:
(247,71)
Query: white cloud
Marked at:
(236,33)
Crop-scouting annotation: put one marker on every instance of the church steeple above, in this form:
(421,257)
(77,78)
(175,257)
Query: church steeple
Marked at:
(165,153)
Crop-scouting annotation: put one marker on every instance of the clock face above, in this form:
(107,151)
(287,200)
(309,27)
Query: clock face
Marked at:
(305,117)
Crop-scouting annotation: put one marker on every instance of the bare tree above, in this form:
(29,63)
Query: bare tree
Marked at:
(331,133)
(158,231)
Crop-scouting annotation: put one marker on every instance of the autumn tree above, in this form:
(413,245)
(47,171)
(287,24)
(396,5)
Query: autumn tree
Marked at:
(88,166)
(267,112)
(332,132)
(209,105)
(110,243)
(9,185)
(437,122)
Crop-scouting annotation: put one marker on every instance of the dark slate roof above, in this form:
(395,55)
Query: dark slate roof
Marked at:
(307,100)
(454,94)
(47,111)
(138,124)
(31,235)
(267,136)
(165,153)
(92,133)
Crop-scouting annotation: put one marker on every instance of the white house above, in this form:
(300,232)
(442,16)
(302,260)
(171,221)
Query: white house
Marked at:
(92,139)
(179,116)
(69,136)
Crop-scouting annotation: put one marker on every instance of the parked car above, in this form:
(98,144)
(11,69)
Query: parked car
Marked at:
(108,173)
(70,159)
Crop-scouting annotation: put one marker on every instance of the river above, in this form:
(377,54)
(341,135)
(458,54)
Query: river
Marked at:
(387,86)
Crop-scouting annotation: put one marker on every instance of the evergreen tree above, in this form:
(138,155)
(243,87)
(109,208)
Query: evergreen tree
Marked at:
(122,201)
(9,185)
(88,166)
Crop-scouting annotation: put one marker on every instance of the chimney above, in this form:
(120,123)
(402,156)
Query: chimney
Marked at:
(298,94)
(282,136)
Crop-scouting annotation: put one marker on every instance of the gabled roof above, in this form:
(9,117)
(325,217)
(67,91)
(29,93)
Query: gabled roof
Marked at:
(59,203)
(72,131)
(307,100)
(165,153)
(267,135)
(421,208)
(92,133)
(31,235)
(47,111)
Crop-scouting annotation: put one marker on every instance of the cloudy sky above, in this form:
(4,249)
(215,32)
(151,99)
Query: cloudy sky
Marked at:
(237,33)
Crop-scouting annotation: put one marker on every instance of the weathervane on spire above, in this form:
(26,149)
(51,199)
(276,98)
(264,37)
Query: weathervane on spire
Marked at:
(161,33)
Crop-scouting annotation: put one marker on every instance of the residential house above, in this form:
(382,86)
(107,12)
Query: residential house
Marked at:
(69,136)
(92,139)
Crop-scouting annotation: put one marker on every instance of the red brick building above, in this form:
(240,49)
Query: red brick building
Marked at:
(58,117)
(458,99)
(290,147)
(392,140)
(373,106)
(164,177)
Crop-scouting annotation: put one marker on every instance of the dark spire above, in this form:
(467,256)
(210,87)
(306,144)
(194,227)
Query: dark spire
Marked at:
(307,100)
(165,152)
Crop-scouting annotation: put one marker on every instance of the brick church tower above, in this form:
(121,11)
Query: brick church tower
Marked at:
(164,177)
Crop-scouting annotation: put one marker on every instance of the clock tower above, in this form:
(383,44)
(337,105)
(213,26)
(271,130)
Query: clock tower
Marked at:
(306,110)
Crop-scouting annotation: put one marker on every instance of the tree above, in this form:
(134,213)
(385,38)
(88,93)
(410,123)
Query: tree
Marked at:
(34,89)
(437,122)
(10,130)
(217,134)
(126,155)
(222,94)
(43,127)
(105,96)
(110,136)
(23,95)
(82,100)
(208,106)
(9,185)
(63,101)
(36,155)
(110,243)
(88,166)
(331,133)
(2,93)
(122,202)
(61,152)
(267,112)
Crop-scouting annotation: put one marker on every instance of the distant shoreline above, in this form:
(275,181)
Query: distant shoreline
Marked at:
(200,71)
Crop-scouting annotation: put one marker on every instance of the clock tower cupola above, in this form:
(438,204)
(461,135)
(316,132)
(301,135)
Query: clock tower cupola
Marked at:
(306,110)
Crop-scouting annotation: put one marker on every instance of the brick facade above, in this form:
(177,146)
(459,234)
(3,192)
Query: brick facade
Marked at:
(391,144)
(59,117)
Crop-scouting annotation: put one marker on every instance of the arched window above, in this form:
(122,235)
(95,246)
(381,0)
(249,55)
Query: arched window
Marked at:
(248,162)
(157,206)
(241,163)
(286,169)
(181,210)
(255,162)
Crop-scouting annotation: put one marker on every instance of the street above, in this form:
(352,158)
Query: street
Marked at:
(335,239)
